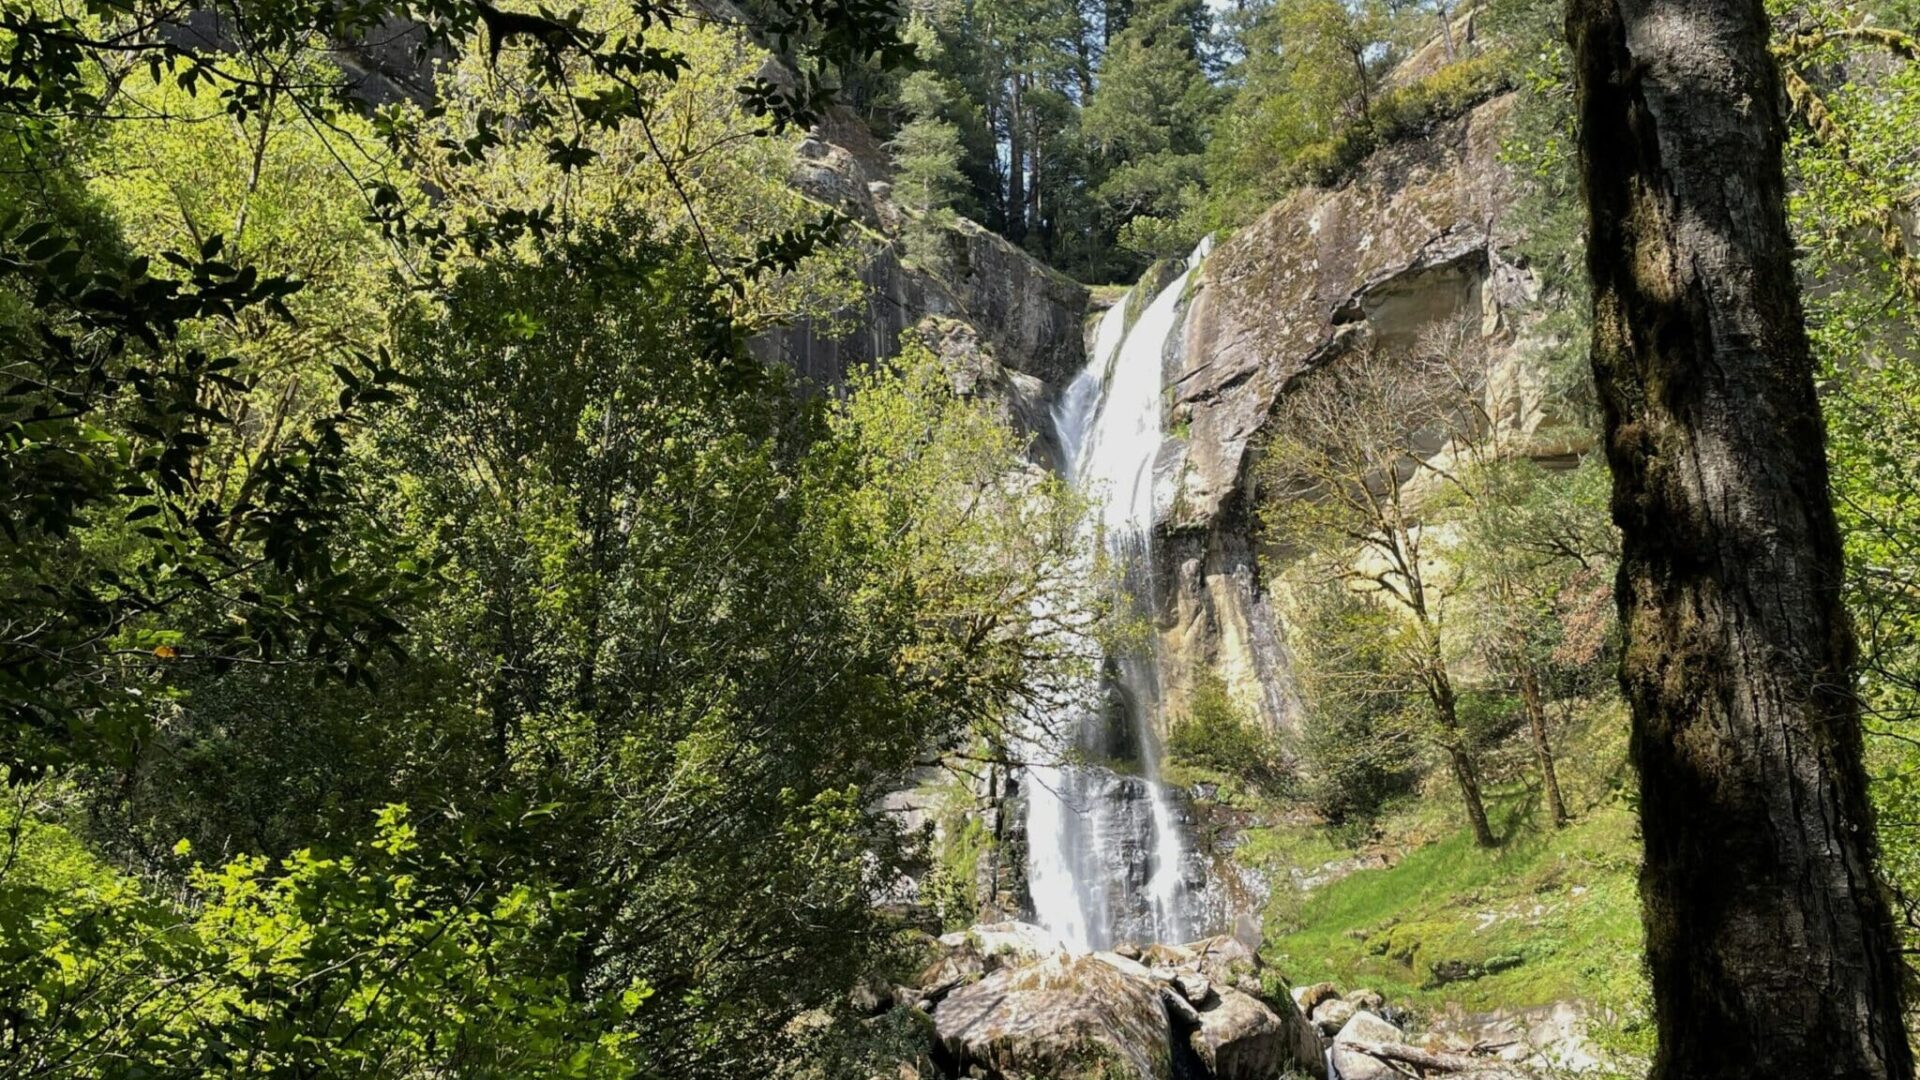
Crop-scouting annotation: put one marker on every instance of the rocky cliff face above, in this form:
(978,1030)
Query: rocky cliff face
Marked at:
(1418,238)
(1026,315)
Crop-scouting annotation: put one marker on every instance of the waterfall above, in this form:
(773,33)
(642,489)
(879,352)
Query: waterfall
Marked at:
(1098,867)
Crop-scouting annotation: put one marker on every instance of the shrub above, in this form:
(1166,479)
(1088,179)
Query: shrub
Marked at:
(1358,745)
(350,965)
(1216,733)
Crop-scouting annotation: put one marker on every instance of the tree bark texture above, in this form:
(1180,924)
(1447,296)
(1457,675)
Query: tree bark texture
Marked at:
(1016,163)
(1536,707)
(1771,948)
(1466,771)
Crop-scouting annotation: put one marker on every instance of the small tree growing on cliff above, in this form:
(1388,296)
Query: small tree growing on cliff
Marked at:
(926,154)
(1347,474)
(1536,548)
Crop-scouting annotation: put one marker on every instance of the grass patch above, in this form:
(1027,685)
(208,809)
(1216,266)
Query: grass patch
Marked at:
(1550,915)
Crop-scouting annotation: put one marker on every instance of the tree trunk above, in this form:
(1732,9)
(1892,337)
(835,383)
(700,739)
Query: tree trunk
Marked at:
(1362,82)
(991,200)
(1467,775)
(1016,166)
(1083,67)
(1438,680)
(1542,748)
(1466,772)
(1770,944)
(1036,219)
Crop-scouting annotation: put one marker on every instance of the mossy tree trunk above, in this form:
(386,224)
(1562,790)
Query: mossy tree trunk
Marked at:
(1770,944)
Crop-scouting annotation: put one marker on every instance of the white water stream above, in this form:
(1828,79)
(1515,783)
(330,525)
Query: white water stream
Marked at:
(1098,867)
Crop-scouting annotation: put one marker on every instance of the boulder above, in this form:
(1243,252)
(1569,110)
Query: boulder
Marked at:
(1168,956)
(1332,1014)
(1179,1010)
(1370,1000)
(1004,943)
(1367,1028)
(948,970)
(1228,963)
(1221,958)
(1125,965)
(1241,1039)
(1194,986)
(1062,1017)
(965,956)
(1308,998)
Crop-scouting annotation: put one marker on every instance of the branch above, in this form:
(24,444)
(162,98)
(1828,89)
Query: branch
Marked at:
(1413,1055)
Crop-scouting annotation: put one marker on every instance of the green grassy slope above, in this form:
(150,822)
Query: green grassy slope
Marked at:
(1551,915)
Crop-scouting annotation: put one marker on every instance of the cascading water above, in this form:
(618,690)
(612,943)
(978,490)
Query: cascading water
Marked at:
(1106,855)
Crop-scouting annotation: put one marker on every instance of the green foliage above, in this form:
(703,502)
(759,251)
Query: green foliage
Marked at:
(1147,121)
(1312,98)
(927,152)
(1563,902)
(951,887)
(190,359)
(477,504)
(139,497)
(1358,748)
(681,622)
(377,962)
(1218,733)
(703,618)
(1537,551)
(700,160)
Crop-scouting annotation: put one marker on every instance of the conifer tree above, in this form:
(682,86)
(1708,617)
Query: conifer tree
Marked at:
(927,152)
(1148,121)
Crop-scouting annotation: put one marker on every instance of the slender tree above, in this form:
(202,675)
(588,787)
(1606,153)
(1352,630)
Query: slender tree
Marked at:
(1351,476)
(1770,944)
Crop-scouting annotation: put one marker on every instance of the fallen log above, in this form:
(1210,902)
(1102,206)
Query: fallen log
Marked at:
(1434,1060)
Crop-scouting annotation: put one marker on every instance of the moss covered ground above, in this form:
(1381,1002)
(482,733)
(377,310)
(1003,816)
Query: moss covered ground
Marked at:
(1551,914)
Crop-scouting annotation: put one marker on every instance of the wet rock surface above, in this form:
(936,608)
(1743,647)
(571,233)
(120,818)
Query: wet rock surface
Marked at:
(1115,810)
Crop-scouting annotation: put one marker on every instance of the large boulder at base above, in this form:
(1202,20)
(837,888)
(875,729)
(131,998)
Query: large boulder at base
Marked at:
(1004,943)
(965,956)
(1354,1065)
(1060,1018)
(1229,964)
(1241,1039)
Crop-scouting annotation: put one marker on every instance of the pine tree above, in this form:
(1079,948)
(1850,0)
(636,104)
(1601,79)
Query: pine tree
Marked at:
(926,157)
(1148,120)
